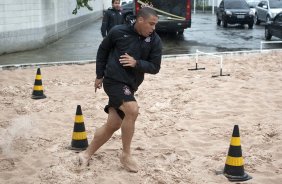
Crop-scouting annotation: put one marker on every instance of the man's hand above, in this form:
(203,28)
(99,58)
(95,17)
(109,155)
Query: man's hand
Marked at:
(127,60)
(98,84)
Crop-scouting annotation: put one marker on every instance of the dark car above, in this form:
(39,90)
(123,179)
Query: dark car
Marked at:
(174,15)
(274,28)
(127,10)
(235,12)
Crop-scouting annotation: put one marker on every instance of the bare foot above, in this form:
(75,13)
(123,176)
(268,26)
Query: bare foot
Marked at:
(83,160)
(128,163)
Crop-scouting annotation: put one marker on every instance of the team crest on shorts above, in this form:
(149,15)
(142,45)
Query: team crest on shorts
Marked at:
(126,90)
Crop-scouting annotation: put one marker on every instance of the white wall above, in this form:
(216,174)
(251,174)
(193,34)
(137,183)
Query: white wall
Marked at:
(29,24)
(107,4)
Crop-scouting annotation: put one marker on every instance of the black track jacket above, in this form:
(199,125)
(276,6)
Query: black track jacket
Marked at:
(124,39)
(111,18)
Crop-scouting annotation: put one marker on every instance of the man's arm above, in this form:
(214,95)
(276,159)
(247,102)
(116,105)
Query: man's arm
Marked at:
(98,84)
(153,64)
(105,23)
(102,55)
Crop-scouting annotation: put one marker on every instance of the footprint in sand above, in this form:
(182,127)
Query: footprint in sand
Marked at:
(7,164)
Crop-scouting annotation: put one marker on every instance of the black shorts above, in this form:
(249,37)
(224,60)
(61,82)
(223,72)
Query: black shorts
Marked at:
(118,93)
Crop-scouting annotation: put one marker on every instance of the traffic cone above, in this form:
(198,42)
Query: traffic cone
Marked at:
(79,137)
(38,88)
(234,165)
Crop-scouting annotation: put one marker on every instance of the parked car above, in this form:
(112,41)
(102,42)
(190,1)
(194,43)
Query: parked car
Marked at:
(253,4)
(235,12)
(266,10)
(274,28)
(127,11)
(174,15)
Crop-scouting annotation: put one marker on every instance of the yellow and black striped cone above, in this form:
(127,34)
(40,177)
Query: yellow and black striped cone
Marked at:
(79,137)
(38,88)
(234,165)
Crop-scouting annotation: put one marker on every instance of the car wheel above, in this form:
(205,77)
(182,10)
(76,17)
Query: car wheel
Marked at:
(267,19)
(128,18)
(257,21)
(224,23)
(251,24)
(180,32)
(218,21)
(267,34)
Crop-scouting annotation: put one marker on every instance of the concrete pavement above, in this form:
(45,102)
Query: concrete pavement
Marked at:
(82,45)
(79,45)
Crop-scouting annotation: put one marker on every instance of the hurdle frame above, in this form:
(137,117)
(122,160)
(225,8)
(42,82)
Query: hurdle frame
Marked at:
(266,42)
(196,62)
(214,55)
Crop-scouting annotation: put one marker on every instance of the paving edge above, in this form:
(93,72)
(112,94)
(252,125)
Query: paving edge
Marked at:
(82,62)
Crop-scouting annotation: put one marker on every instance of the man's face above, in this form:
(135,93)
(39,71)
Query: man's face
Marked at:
(116,5)
(147,26)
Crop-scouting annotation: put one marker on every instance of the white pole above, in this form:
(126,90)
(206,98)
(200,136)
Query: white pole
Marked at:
(220,73)
(221,62)
(194,6)
(197,55)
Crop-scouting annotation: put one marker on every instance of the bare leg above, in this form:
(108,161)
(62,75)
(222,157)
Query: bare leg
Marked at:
(130,110)
(102,135)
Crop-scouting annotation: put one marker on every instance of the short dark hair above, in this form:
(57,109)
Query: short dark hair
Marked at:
(146,12)
(113,1)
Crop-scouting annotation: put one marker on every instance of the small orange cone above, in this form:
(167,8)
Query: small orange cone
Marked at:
(234,165)
(79,137)
(38,88)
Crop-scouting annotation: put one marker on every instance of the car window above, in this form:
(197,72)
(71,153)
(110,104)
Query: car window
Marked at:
(253,3)
(169,6)
(260,4)
(275,4)
(221,4)
(127,6)
(278,19)
(236,5)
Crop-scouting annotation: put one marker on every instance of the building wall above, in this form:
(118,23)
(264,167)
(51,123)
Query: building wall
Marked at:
(107,4)
(30,24)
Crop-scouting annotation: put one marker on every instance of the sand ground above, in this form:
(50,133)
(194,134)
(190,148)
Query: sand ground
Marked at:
(182,133)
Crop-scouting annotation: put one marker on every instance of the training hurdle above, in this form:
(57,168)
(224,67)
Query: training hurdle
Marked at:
(196,62)
(214,55)
(268,42)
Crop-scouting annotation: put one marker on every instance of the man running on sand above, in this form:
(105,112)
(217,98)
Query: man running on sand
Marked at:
(124,56)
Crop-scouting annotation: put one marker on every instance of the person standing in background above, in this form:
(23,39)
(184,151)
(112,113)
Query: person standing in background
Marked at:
(112,17)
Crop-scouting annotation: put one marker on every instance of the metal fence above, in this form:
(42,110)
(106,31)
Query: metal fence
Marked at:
(204,6)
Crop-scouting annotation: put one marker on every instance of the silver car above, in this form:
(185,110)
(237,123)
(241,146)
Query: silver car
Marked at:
(266,10)
(253,4)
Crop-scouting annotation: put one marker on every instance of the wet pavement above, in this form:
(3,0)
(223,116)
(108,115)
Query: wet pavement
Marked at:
(79,45)
(204,35)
